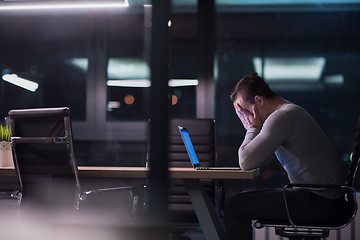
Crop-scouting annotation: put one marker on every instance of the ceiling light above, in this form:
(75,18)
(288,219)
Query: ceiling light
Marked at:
(113,104)
(183,82)
(129,83)
(20,82)
(289,2)
(79,63)
(147,83)
(306,69)
(334,79)
(127,68)
(45,5)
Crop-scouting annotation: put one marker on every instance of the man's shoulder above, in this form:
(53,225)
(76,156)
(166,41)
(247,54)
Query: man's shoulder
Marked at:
(291,108)
(289,112)
(294,113)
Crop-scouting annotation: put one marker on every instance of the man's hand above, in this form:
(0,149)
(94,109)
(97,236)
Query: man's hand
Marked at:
(247,118)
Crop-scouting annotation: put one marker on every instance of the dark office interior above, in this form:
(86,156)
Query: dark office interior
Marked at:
(97,63)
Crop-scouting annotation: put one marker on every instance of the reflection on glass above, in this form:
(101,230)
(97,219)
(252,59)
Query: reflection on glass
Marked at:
(337,79)
(128,91)
(128,68)
(280,69)
(46,6)
(78,63)
(20,82)
(315,67)
(43,51)
(128,82)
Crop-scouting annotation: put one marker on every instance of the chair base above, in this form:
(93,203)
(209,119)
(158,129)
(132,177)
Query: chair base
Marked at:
(302,234)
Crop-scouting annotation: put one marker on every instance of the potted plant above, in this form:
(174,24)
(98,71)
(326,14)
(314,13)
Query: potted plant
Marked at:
(6,159)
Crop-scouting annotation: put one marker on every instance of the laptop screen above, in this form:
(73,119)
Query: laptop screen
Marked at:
(189,146)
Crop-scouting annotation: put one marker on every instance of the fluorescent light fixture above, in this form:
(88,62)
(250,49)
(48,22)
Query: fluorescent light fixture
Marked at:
(147,83)
(113,104)
(290,2)
(118,68)
(334,79)
(129,83)
(43,5)
(79,63)
(128,68)
(20,82)
(183,82)
(306,69)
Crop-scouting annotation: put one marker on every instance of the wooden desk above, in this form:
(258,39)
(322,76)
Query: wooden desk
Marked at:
(142,172)
(205,211)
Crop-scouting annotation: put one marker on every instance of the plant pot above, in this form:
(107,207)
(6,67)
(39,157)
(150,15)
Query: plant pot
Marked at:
(6,158)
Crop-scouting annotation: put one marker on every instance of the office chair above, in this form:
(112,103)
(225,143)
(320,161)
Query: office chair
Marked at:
(181,212)
(45,164)
(303,231)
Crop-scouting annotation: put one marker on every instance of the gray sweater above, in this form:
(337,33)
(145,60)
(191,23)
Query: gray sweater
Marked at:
(300,145)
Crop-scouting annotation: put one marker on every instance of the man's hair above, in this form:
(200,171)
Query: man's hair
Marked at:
(250,86)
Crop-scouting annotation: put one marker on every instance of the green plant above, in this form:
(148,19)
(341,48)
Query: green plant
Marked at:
(5,133)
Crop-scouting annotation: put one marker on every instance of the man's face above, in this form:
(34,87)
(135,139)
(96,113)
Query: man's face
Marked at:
(245,105)
(251,107)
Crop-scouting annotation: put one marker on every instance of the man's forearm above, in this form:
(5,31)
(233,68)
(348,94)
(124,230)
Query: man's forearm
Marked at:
(245,156)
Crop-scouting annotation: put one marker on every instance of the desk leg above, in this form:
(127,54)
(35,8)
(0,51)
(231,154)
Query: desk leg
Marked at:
(205,211)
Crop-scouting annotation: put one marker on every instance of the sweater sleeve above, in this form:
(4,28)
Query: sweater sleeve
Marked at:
(259,146)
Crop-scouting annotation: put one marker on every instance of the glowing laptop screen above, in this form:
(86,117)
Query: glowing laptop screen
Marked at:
(189,146)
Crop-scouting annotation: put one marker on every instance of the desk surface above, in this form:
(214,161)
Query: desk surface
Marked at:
(142,172)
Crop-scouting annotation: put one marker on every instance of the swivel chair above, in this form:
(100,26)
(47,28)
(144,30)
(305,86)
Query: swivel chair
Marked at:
(294,230)
(44,161)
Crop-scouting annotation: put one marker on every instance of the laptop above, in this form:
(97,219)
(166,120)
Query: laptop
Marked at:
(192,154)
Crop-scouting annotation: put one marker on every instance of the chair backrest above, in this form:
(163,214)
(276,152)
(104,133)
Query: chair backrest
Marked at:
(355,158)
(43,156)
(202,134)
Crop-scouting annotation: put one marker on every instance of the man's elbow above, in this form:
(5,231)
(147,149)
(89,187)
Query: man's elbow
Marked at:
(246,161)
(246,166)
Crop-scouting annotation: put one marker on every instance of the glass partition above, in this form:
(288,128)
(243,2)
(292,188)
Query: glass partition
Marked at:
(97,63)
(43,66)
(309,54)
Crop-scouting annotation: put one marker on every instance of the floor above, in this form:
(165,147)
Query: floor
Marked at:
(10,206)
(195,234)
(191,234)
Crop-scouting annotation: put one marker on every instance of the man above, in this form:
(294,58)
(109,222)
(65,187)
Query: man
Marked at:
(274,125)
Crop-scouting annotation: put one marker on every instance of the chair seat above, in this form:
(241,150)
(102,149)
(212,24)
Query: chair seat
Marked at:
(333,224)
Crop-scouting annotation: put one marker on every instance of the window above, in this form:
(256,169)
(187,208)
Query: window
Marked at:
(33,51)
(272,40)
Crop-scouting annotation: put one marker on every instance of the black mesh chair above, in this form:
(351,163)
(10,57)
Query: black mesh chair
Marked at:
(202,135)
(294,230)
(45,163)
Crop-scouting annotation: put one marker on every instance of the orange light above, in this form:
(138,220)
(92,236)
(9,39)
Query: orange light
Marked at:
(129,99)
(174,100)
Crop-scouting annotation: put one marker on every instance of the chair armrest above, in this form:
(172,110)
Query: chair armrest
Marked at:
(290,185)
(40,139)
